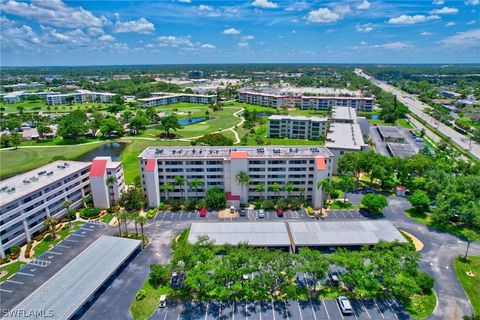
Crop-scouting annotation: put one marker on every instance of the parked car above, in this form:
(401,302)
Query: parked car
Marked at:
(177,279)
(243,212)
(279,212)
(334,280)
(232,209)
(162,303)
(203,212)
(344,305)
(261,213)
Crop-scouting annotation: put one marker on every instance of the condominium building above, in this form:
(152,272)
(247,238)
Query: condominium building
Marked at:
(305,102)
(163,99)
(219,167)
(107,181)
(297,127)
(18,96)
(81,96)
(26,200)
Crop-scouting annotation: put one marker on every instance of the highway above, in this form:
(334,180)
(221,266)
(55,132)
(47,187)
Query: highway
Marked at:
(417,107)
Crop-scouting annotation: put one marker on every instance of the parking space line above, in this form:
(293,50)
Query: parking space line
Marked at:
(88,229)
(4,290)
(62,246)
(351,214)
(326,310)
(365,308)
(343,214)
(25,274)
(78,235)
(70,240)
(299,310)
(338,308)
(313,310)
(57,253)
(12,281)
(166,314)
(163,217)
(273,308)
(378,308)
(390,306)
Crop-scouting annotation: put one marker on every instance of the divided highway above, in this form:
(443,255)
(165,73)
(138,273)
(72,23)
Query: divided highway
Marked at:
(417,107)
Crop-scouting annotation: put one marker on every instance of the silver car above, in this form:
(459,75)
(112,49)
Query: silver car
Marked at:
(344,305)
(261,213)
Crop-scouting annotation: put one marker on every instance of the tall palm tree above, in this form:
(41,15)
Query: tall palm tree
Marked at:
(180,181)
(301,190)
(66,205)
(125,217)
(110,181)
(119,220)
(196,184)
(346,183)
(275,187)
(243,179)
(50,223)
(289,188)
(261,189)
(141,221)
(135,217)
(326,186)
(167,187)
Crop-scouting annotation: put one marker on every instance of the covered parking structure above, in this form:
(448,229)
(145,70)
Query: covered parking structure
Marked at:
(264,234)
(342,233)
(65,293)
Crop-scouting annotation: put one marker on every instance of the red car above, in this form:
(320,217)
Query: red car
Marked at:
(279,212)
(203,212)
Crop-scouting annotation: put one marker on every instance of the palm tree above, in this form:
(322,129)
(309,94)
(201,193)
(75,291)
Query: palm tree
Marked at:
(125,217)
(135,220)
(243,179)
(50,223)
(346,184)
(110,181)
(301,190)
(180,181)
(289,188)
(326,186)
(261,189)
(119,218)
(167,187)
(196,184)
(274,188)
(66,205)
(141,220)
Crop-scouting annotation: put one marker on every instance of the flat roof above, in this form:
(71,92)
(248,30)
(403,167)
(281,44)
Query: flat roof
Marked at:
(167,95)
(263,234)
(66,292)
(401,150)
(344,113)
(205,152)
(36,180)
(343,233)
(390,131)
(345,136)
(285,91)
(297,118)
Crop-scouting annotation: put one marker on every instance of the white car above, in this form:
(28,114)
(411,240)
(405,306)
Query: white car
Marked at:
(261,213)
(162,303)
(345,305)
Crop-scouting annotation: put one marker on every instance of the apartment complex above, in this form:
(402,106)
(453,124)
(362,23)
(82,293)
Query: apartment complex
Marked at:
(166,98)
(107,181)
(18,96)
(305,102)
(297,127)
(219,167)
(81,96)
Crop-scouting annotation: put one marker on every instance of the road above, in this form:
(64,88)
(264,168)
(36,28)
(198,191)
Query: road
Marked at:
(417,107)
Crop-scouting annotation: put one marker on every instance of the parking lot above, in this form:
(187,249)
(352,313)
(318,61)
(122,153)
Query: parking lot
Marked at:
(290,309)
(39,270)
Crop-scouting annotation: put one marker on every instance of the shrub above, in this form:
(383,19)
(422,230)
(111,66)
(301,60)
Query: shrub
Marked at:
(15,249)
(335,194)
(142,294)
(215,198)
(113,209)
(39,237)
(425,282)
(190,204)
(28,250)
(201,204)
(176,204)
(282,203)
(268,204)
(86,213)
(151,213)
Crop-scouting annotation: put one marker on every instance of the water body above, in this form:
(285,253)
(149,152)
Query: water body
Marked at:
(375,117)
(186,122)
(113,150)
(263,114)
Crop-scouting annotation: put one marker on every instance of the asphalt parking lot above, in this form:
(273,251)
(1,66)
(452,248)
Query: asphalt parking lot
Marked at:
(369,309)
(39,270)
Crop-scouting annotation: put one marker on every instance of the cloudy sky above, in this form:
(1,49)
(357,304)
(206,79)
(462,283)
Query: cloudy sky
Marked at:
(55,32)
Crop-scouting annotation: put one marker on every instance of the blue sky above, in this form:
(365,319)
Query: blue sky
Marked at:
(55,32)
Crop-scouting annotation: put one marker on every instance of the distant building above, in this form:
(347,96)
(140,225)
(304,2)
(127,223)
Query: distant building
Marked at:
(18,96)
(195,74)
(22,86)
(165,98)
(450,94)
(81,96)
(297,127)
(465,103)
(390,134)
(30,134)
(121,77)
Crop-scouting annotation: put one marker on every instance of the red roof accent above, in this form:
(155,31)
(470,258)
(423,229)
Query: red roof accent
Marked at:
(98,168)
(150,164)
(239,155)
(230,196)
(320,163)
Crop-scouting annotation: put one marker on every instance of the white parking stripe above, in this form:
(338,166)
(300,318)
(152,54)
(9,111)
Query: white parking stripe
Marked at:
(62,246)
(378,308)
(365,308)
(12,281)
(88,229)
(299,310)
(260,309)
(25,274)
(313,311)
(57,253)
(8,291)
(390,306)
(338,308)
(70,240)
(273,308)
(78,235)
(326,310)
(180,218)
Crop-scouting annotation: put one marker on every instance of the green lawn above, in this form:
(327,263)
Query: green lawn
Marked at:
(422,306)
(295,112)
(143,309)
(470,284)
(24,159)
(61,234)
(404,123)
(11,269)
(37,106)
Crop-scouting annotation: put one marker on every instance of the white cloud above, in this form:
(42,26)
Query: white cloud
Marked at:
(364,5)
(52,12)
(469,23)
(397,45)
(209,11)
(95,31)
(141,25)
(438,2)
(298,6)
(426,34)
(185,1)
(106,37)
(365,28)
(204,7)
(173,41)
(247,38)
(264,4)
(444,10)
(363,43)
(231,31)
(244,45)
(406,19)
(470,38)
(450,24)
(207,46)
(342,9)
(323,15)
(472,2)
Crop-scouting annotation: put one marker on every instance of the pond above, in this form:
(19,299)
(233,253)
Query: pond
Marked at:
(186,122)
(113,150)
(374,117)
(263,114)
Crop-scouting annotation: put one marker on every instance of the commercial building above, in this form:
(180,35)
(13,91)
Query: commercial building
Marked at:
(27,199)
(276,100)
(297,127)
(81,96)
(219,167)
(164,98)
(195,74)
(107,181)
(391,134)
(64,295)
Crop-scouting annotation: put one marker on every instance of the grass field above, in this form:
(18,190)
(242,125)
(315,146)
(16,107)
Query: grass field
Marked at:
(24,159)
(61,234)
(41,106)
(296,112)
(143,309)
(422,306)
(11,269)
(471,284)
(404,123)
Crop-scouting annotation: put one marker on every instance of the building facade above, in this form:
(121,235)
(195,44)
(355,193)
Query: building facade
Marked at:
(297,127)
(219,167)
(163,99)
(82,96)
(305,102)
(107,181)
